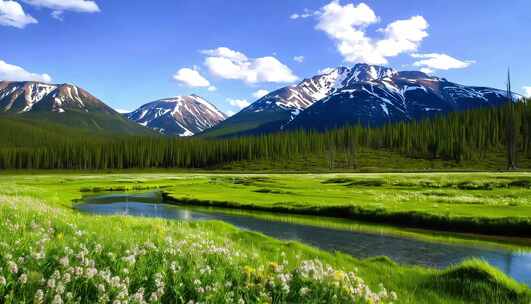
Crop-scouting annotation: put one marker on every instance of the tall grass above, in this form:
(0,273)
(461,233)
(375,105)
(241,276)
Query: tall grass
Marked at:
(55,256)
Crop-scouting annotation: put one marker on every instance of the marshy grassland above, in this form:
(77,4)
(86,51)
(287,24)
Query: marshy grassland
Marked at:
(51,253)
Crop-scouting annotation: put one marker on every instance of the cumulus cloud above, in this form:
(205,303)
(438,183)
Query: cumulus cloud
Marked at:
(299,59)
(239,103)
(12,14)
(347,26)
(192,78)
(229,64)
(428,63)
(260,93)
(527,91)
(230,113)
(12,72)
(82,6)
(402,36)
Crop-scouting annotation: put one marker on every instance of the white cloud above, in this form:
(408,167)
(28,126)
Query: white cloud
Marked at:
(212,88)
(260,93)
(527,91)
(240,103)
(325,71)
(299,59)
(12,14)
(347,26)
(192,78)
(403,36)
(225,52)
(431,62)
(229,64)
(230,113)
(82,6)
(294,16)
(15,73)
(427,70)
(57,15)
(307,13)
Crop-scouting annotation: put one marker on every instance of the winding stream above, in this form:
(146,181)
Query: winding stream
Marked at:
(361,244)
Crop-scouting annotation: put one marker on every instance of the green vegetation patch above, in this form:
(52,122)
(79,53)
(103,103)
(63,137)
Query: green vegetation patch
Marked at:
(120,258)
(242,180)
(476,279)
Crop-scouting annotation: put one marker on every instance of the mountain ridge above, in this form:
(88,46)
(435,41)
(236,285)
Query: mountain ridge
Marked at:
(366,94)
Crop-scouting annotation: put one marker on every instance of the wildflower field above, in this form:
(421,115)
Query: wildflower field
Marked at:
(52,254)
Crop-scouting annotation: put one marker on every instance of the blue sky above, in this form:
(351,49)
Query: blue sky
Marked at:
(130,52)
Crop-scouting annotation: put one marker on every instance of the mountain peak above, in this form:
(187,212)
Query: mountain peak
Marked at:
(33,96)
(179,115)
(367,72)
(363,93)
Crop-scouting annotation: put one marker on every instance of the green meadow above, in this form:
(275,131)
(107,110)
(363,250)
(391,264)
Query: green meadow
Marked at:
(52,253)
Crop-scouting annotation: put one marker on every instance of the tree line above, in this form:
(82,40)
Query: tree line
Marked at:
(458,136)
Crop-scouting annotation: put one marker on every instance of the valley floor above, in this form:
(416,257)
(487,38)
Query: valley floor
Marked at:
(52,253)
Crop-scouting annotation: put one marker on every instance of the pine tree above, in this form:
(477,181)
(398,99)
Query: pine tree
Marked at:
(510,128)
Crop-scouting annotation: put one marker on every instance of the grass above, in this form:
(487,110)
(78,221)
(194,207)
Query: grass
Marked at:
(373,160)
(51,255)
(490,203)
(39,223)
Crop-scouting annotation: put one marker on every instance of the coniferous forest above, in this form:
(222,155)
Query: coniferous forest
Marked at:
(460,136)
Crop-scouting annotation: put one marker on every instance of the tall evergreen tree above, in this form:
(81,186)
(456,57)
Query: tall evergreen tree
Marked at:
(510,128)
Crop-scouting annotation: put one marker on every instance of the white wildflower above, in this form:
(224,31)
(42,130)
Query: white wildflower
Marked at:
(13,268)
(64,261)
(39,297)
(23,279)
(101,288)
(69,296)
(304,291)
(57,300)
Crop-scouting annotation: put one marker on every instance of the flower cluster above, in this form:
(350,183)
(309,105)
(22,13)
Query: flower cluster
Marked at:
(53,256)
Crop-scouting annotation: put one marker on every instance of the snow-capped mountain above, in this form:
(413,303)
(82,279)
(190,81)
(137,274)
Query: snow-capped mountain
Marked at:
(297,98)
(63,104)
(274,110)
(29,96)
(366,94)
(181,115)
(372,96)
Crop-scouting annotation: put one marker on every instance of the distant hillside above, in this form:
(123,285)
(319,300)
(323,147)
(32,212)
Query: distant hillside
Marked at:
(64,104)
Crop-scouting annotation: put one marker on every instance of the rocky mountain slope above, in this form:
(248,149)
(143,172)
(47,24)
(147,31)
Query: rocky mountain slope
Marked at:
(373,96)
(273,111)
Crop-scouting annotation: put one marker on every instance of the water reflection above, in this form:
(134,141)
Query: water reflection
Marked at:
(359,244)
